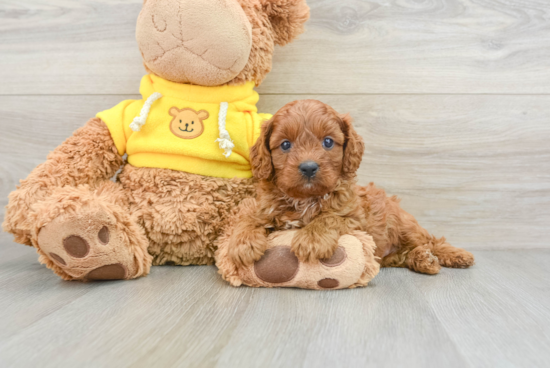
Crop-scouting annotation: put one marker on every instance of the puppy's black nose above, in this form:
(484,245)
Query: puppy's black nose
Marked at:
(309,168)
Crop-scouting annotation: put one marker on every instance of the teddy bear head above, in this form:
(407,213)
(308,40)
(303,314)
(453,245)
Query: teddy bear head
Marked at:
(216,42)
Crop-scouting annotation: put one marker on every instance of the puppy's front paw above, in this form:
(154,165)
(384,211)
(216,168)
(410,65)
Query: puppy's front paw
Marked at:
(310,247)
(247,248)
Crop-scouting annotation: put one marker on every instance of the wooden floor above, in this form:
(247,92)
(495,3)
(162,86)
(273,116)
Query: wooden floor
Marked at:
(496,314)
(452,98)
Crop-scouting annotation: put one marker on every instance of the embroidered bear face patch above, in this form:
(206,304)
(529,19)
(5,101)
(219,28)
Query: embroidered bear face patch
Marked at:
(187,123)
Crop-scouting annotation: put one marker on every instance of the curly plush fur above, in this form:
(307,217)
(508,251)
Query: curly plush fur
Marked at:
(88,157)
(273,23)
(329,204)
(182,213)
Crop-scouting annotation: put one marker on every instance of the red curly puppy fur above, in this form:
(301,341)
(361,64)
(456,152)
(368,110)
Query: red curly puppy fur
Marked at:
(306,161)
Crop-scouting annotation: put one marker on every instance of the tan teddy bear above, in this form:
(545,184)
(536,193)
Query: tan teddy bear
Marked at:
(187,143)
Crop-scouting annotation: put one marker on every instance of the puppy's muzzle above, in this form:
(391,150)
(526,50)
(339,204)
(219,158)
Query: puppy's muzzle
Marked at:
(309,169)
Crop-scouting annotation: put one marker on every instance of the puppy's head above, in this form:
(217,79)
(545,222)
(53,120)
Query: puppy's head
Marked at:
(305,148)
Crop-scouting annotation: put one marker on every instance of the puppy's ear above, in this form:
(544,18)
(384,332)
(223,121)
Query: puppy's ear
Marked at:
(287,18)
(260,154)
(353,148)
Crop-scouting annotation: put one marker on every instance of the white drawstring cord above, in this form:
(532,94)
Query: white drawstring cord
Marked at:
(142,118)
(225,141)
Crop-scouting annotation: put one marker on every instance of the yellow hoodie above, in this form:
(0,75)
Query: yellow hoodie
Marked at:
(201,130)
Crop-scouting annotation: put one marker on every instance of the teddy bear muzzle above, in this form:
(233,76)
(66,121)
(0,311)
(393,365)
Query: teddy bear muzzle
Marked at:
(206,45)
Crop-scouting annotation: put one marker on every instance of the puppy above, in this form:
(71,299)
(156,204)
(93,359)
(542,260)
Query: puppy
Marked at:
(306,161)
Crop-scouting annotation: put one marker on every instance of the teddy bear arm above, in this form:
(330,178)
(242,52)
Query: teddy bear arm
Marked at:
(89,156)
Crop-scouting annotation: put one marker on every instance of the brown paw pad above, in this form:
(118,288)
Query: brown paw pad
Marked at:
(337,258)
(58,259)
(328,283)
(277,265)
(103,235)
(109,272)
(76,246)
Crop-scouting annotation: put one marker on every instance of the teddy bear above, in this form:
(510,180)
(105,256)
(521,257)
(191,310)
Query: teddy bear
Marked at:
(180,154)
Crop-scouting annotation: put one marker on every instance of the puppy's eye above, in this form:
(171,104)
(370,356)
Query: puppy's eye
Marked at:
(328,143)
(285,146)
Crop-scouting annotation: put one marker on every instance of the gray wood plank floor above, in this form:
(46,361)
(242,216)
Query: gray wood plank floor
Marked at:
(495,314)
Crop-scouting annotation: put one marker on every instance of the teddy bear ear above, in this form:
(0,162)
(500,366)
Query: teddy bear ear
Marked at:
(203,115)
(174,111)
(287,18)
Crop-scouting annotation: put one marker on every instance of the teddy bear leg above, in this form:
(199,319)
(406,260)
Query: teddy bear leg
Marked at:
(353,264)
(85,235)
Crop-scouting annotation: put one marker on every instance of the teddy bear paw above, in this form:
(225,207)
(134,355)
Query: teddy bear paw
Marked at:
(352,264)
(87,247)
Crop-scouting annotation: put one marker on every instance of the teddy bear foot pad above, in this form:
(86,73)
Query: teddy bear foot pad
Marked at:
(88,247)
(352,264)
(280,265)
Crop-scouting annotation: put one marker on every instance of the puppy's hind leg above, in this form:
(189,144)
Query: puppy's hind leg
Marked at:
(416,244)
(423,247)
(419,259)
(453,257)
(422,260)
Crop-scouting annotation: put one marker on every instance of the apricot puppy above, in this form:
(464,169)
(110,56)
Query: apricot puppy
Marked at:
(306,161)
